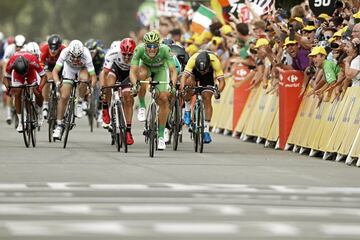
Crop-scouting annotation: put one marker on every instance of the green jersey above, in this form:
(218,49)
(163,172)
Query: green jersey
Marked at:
(162,59)
(331,71)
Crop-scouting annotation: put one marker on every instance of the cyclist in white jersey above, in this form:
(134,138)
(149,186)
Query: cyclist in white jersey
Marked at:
(76,62)
(117,68)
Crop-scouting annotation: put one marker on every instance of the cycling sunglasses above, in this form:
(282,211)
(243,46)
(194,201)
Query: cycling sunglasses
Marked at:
(152,45)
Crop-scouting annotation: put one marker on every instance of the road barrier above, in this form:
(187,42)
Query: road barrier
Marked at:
(329,127)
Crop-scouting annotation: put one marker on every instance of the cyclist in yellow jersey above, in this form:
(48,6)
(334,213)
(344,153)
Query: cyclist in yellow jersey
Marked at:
(202,69)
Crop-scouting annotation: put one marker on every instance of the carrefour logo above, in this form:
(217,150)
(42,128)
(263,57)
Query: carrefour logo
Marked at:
(293,78)
(242,73)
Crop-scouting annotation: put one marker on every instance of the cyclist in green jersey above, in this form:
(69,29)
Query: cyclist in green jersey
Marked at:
(152,59)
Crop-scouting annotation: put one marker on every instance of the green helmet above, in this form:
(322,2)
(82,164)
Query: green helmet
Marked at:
(151,37)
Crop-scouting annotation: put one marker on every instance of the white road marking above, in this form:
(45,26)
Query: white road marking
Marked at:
(154,209)
(340,229)
(119,187)
(12,186)
(284,211)
(281,229)
(59,228)
(196,228)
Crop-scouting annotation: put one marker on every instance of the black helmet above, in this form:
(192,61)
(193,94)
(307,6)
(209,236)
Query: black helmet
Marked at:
(54,42)
(91,44)
(167,41)
(21,65)
(202,62)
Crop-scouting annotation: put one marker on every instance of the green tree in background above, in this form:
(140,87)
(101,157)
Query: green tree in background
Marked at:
(107,20)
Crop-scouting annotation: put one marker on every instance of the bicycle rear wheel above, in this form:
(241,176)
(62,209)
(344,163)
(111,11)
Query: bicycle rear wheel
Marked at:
(176,124)
(24,119)
(122,126)
(201,124)
(152,130)
(69,115)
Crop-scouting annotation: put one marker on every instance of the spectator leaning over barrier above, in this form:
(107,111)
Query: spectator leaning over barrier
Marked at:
(330,70)
(352,62)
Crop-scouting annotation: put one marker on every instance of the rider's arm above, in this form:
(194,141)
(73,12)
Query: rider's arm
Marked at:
(171,64)
(58,66)
(135,61)
(219,74)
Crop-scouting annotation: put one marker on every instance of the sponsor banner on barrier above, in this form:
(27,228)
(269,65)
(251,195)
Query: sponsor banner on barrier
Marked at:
(289,101)
(241,93)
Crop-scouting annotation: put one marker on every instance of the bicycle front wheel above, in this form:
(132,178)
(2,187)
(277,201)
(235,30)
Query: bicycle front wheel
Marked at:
(176,124)
(33,123)
(201,125)
(24,119)
(52,114)
(91,113)
(69,115)
(122,126)
(152,129)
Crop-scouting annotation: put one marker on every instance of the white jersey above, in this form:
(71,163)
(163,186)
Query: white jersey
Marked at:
(84,62)
(9,51)
(115,56)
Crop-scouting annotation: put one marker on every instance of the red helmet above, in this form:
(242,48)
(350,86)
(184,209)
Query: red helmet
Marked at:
(127,46)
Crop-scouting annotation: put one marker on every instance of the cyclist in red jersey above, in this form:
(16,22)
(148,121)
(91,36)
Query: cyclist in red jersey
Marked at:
(50,52)
(22,68)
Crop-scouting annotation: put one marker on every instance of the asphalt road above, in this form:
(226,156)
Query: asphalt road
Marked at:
(234,190)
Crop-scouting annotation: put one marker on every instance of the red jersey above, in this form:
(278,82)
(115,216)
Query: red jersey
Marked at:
(34,67)
(46,59)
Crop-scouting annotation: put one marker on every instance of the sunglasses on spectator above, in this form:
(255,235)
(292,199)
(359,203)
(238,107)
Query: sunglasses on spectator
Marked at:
(152,45)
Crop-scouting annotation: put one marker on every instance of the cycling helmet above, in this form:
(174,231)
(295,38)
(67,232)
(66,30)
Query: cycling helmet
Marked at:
(151,37)
(115,44)
(167,41)
(33,48)
(21,65)
(91,44)
(127,46)
(54,42)
(202,62)
(76,48)
(19,40)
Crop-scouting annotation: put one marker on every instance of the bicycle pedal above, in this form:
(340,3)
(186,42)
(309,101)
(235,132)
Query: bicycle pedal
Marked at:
(145,132)
(72,126)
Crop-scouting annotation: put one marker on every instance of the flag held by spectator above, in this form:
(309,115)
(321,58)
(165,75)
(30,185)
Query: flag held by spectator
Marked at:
(202,19)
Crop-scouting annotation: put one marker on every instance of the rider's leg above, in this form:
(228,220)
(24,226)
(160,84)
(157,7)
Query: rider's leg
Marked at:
(109,81)
(45,93)
(206,98)
(190,83)
(143,74)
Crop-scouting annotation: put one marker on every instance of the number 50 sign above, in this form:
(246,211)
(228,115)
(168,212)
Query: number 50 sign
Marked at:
(322,6)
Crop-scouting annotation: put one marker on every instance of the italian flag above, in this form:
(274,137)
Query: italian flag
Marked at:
(202,19)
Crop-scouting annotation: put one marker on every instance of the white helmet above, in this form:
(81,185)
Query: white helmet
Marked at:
(33,48)
(115,44)
(19,40)
(76,48)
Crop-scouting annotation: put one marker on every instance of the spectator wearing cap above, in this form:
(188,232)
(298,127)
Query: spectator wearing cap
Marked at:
(299,55)
(263,64)
(330,69)
(356,17)
(307,38)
